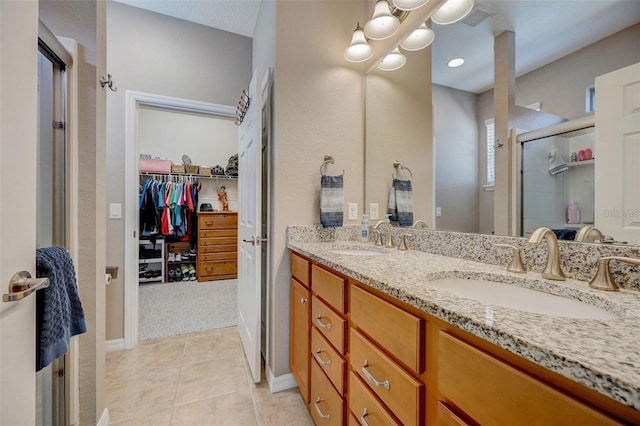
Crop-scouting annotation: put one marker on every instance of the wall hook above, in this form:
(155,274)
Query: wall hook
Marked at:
(107,82)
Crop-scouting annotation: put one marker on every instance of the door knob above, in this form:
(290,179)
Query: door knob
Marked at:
(22,285)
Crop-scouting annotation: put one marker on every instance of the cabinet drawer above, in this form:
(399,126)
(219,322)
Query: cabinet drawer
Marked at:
(300,269)
(327,406)
(329,287)
(217,221)
(330,324)
(223,248)
(492,392)
(363,404)
(217,268)
(399,332)
(403,395)
(217,233)
(446,417)
(218,241)
(225,255)
(333,365)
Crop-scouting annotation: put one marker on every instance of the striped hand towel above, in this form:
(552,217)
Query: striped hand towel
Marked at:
(401,202)
(331,201)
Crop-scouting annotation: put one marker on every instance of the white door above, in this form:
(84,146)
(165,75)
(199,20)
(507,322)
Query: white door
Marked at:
(18,139)
(250,226)
(617,154)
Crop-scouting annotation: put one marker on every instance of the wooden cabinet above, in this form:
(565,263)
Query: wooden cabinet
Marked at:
(217,246)
(374,358)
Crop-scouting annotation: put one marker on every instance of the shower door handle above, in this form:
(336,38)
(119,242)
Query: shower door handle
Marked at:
(22,285)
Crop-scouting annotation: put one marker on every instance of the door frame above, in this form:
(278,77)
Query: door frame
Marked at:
(134,101)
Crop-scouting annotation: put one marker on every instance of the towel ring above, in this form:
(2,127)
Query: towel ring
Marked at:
(327,159)
(397,164)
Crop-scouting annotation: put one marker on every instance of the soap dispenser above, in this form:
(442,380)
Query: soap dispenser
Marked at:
(364,229)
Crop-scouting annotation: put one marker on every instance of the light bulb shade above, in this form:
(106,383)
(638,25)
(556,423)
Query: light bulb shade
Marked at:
(382,24)
(359,50)
(452,11)
(393,61)
(409,4)
(418,39)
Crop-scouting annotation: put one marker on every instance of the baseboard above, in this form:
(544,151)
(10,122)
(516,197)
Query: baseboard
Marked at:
(114,345)
(104,419)
(280,383)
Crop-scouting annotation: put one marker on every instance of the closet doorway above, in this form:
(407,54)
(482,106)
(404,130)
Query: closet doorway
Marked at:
(163,297)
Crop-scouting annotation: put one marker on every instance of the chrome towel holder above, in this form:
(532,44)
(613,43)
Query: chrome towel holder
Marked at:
(328,159)
(399,166)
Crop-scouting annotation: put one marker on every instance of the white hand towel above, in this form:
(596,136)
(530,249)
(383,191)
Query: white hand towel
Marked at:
(556,162)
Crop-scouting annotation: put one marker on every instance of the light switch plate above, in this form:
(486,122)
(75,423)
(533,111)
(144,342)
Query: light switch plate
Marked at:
(438,212)
(353,211)
(115,211)
(374,211)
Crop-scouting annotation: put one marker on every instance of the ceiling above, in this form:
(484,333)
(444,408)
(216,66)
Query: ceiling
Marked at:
(235,16)
(545,30)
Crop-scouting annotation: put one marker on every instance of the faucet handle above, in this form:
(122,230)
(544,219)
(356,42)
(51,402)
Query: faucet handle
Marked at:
(403,242)
(516,262)
(603,280)
(377,237)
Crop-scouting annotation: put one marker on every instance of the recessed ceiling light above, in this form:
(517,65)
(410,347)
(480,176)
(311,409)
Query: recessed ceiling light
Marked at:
(455,62)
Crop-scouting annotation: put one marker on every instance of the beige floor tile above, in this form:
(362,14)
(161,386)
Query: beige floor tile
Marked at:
(212,346)
(161,418)
(228,410)
(282,408)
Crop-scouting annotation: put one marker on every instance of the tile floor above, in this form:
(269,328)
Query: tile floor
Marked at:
(194,379)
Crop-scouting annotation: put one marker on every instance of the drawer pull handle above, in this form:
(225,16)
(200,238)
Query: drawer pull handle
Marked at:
(316,354)
(321,324)
(320,413)
(385,384)
(365,413)
(303,300)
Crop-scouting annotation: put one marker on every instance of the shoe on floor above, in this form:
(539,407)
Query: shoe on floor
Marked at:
(192,273)
(185,272)
(172,275)
(178,275)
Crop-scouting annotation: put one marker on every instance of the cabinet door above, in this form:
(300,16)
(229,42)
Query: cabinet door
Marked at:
(299,336)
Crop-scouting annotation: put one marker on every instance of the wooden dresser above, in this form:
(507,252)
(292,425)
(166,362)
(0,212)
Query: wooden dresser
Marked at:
(217,246)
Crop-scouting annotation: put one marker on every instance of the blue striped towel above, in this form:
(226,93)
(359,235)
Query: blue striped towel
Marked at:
(401,202)
(331,201)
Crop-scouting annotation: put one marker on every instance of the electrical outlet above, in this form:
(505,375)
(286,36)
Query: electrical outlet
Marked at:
(438,212)
(374,211)
(353,211)
(115,211)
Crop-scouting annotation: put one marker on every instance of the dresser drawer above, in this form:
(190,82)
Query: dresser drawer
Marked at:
(210,269)
(331,325)
(300,268)
(492,392)
(401,392)
(329,287)
(217,221)
(363,404)
(217,233)
(399,332)
(330,361)
(218,241)
(223,248)
(447,417)
(224,255)
(326,405)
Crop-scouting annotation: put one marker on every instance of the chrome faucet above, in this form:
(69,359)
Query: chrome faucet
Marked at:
(589,232)
(389,243)
(552,271)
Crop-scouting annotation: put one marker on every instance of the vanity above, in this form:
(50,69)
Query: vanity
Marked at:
(374,340)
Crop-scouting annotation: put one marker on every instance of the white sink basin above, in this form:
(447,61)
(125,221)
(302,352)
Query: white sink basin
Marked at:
(522,299)
(357,252)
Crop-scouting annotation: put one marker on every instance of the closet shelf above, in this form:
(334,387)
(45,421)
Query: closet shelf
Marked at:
(156,260)
(581,163)
(193,176)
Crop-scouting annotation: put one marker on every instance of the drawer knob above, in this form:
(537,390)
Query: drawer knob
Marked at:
(322,324)
(316,354)
(320,413)
(385,384)
(303,300)
(365,413)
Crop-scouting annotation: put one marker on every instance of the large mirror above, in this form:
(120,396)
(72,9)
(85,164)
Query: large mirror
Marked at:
(560,47)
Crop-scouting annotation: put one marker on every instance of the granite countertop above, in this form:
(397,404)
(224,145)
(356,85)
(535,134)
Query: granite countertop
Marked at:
(603,355)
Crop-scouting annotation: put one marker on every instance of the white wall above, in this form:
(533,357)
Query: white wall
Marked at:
(157,54)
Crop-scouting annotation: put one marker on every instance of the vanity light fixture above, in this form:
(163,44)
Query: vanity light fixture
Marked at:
(409,4)
(455,62)
(382,24)
(418,39)
(393,61)
(359,50)
(452,11)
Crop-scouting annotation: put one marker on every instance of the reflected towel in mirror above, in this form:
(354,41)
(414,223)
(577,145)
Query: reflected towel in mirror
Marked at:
(401,202)
(331,201)
(556,162)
